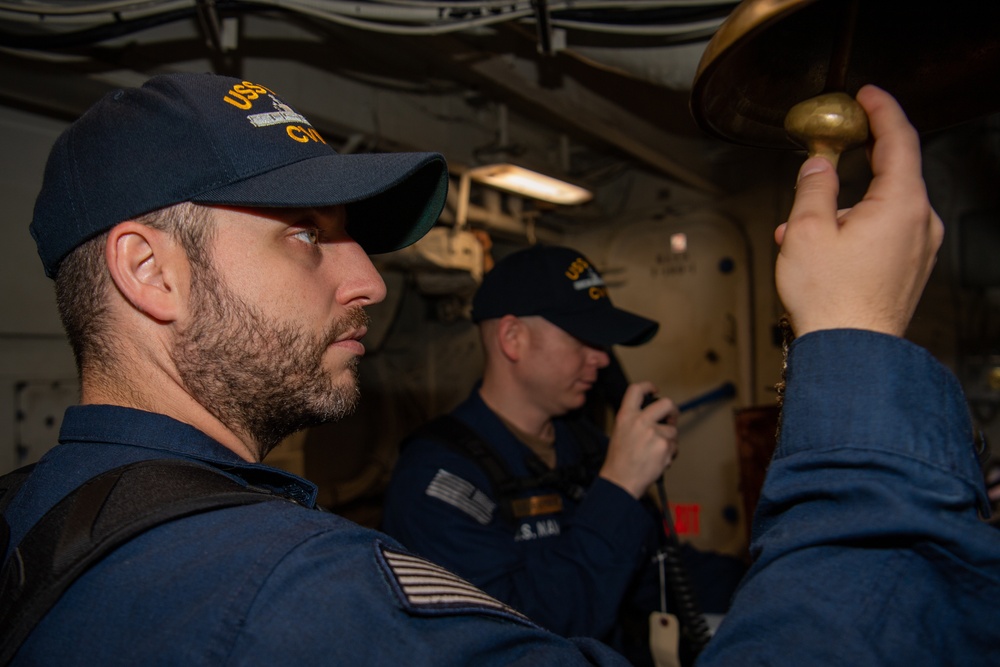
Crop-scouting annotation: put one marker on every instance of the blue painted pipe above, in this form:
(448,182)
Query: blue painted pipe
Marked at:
(726,390)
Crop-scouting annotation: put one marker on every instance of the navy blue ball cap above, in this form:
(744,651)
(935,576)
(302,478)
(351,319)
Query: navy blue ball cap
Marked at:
(213,139)
(561,285)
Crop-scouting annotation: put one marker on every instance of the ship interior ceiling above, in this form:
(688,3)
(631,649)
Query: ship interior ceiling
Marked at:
(594,93)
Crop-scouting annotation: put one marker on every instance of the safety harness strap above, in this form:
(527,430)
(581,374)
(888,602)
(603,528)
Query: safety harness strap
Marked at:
(9,485)
(571,480)
(104,513)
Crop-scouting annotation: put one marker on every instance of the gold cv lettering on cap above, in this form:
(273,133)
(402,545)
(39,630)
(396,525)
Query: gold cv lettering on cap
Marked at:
(304,134)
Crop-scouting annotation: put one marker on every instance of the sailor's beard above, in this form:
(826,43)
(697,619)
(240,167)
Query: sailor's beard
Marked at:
(261,377)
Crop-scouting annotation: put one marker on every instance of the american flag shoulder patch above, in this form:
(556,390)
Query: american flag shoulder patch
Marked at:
(426,589)
(462,495)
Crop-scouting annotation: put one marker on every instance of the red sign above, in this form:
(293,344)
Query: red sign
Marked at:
(686,518)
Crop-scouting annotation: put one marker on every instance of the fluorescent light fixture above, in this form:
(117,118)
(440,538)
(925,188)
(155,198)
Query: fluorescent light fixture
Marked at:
(529,183)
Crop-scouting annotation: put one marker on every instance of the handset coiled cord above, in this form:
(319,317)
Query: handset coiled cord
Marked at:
(694,630)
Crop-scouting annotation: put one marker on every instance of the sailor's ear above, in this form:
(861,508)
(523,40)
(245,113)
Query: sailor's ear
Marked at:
(511,333)
(147,266)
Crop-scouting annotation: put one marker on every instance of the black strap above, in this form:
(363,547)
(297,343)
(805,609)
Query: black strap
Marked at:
(95,519)
(461,438)
(9,485)
(571,480)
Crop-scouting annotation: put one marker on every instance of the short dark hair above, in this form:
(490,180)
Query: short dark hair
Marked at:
(83,281)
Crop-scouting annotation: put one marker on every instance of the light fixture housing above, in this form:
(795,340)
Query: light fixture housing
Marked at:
(527,183)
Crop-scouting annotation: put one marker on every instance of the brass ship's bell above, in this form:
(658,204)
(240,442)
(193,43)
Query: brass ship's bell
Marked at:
(782,73)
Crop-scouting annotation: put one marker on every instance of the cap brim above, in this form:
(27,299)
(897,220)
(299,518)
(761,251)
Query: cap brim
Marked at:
(392,199)
(605,327)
